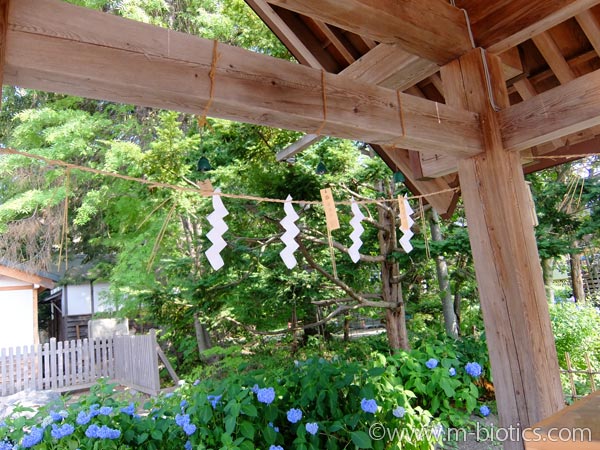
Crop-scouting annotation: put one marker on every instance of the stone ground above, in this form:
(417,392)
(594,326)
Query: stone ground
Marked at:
(468,440)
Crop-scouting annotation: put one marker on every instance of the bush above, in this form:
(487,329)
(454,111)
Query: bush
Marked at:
(379,402)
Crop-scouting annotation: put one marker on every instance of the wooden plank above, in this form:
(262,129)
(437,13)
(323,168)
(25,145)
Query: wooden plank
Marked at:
(553,56)
(502,24)
(336,41)
(574,427)
(46,357)
(564,110)
(39,368)
(18,370)
(4,372)
(511,63)
(3,31)
(59,47)
(167,364)
(11,372)
(590,26)
(513,301)
(432,29)
(282,30)
(299,146)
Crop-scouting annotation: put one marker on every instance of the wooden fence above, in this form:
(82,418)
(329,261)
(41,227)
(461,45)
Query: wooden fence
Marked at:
(575,376)
(78,364)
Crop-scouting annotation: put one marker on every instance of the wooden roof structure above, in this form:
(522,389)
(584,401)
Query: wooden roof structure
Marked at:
(448,92)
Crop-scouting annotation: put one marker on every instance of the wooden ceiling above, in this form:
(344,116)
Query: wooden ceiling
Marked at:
(543,44)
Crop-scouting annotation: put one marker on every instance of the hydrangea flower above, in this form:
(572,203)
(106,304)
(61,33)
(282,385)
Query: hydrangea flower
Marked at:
(255,389)
(83,418)
(182,419)
(312,428)
(188,445)
(294,415)
(399,412)
(62,431)
(196,383)
(103,432)
(169,395)
(2,424)
(452,371)
(189,429)
(33,438)
(484,410)
(214,400)
(275,447)
(5,445)
(266,395)
(369,406)
(105,411)
(129,410)
(48,420)
(183,404)
(58,416)
(274,427)
(431,363)
(473,369)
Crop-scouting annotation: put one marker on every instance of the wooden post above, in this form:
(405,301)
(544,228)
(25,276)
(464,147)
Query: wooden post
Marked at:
(509,276)
(3,31)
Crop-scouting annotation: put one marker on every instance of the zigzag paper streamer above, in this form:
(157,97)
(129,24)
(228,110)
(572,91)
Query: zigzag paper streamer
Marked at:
(406,223)
(357,232)
(215,235)
(291,231)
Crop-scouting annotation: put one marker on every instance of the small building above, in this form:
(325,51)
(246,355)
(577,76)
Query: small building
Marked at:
(19,292)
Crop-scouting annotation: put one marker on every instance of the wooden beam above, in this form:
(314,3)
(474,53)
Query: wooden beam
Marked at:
(3,33)
(300,145)
(581,148)
(589,24)
(282,30)
(444,202)
(58,47)
(509,277)
(26,276)
(502,24)
(554,57)
(432,29)
(336,41)
(392,67)
(564,110)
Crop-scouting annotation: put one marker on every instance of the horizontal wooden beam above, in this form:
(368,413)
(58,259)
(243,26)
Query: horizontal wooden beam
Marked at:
(26,277)
(432,29)
(564,110)
(58,47)
(502,24)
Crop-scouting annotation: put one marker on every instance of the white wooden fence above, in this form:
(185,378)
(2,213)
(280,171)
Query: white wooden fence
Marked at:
(71,365)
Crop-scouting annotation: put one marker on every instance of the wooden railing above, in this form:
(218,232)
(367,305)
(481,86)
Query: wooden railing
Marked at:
(574,375)
(78,364)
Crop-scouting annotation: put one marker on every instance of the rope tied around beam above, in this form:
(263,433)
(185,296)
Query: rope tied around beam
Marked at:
(399,96)
(211,75)
(324,99)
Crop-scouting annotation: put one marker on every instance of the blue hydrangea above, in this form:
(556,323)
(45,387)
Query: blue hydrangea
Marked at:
(484,410)
(62,431)
(169,395)
(274,427)
(58,416)
(48,420)
(103,432)
(369,406)
(183,404)
(431,363)
(275,447)
(189,429)
(34,437)
(83,418)
(2,423)
(105,411)
(399,412)
(312,428)
(129,410)
(473,369)
(266,395)
(214,400)
(294,415)
(452,371)
(5,445)
(188,445)
(255,389)
(196,383)
(182,419)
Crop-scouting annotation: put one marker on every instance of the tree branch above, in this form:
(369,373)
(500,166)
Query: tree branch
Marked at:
(363,258)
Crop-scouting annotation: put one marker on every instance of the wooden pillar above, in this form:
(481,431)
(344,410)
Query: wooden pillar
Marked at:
(3,30)
(509,275)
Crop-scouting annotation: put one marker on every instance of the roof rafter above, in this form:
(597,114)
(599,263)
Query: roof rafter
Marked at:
(432,29)
(58,47)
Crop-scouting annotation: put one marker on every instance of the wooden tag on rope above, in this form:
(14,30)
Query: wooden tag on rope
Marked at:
(331,216)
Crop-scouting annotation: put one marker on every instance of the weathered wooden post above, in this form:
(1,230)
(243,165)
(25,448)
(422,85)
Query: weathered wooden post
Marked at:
(515,310)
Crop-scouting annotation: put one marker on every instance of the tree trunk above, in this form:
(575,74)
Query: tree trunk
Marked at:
(450,319)
(457,300)
(202,336)
(577,277)
(391,290)
(548,274)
